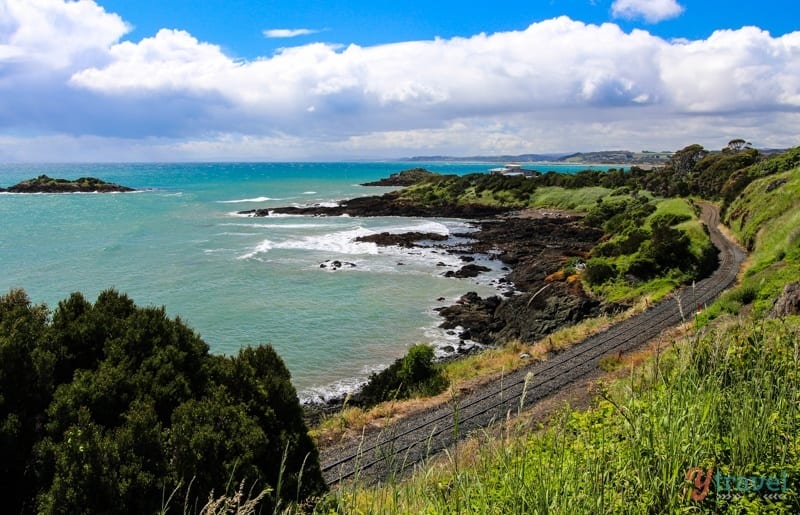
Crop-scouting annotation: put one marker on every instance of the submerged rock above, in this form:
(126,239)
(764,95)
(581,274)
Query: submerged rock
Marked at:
(470,270)
(336,264)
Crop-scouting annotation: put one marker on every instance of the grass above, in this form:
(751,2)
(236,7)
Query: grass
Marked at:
(770,221)
(581,199)
(726,399)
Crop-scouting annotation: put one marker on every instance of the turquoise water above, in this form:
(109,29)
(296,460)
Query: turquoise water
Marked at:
(239,280)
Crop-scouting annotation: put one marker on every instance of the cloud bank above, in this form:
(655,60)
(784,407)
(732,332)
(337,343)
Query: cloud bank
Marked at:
(68,78)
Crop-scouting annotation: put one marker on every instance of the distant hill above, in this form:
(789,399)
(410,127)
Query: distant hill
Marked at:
(644,158)
(522,158)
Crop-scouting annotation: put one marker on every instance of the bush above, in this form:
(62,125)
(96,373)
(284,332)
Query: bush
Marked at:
(108,406)
(413,374)
(599,271)
(669,219)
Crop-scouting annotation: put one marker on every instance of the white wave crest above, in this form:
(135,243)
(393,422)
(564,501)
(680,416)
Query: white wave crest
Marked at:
(242,200)
(278,226)
(261,248)
(338,388)
(341,242)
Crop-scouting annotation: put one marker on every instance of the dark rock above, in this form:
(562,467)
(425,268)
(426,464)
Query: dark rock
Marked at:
(440,264)
(470,270)
(788,302)
(407,239)
(475,314)
(467,259)
(775,185)
(336,264)
(389,204)
(448,349)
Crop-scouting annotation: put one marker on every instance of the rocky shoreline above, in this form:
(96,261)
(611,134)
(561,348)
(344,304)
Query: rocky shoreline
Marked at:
(541,250)
(389,204)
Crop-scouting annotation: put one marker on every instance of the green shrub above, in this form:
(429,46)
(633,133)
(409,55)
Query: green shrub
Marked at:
(413,374)
(669,219)
(106,406)
(598,271)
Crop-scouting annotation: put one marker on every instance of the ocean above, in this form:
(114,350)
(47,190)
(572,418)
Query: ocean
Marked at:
(238,280)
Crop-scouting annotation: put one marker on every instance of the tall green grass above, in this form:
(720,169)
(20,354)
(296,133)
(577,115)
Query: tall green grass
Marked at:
(727,399)
(581,199)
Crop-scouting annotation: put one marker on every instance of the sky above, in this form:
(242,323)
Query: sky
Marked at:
(269,80)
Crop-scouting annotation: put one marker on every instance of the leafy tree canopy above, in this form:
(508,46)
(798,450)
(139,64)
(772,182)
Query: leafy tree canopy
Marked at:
(104,407)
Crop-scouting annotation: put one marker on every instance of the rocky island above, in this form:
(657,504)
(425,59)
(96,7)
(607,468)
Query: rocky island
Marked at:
(45,184)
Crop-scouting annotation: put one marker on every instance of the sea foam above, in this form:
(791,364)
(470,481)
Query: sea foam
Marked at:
(261,248)
(243,200)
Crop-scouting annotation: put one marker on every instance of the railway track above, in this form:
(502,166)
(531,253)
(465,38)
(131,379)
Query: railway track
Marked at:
(412,440)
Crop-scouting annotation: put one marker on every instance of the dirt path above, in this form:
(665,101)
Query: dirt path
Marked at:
(381,454)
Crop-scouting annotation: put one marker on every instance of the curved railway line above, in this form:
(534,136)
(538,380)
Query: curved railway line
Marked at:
(413,439)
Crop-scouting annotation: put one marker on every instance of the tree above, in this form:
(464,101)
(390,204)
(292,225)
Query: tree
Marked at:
(683,161)
(737,145)
(110,405)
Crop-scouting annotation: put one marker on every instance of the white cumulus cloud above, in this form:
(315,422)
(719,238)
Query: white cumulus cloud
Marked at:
(652,11)
(558,85)
(56,33)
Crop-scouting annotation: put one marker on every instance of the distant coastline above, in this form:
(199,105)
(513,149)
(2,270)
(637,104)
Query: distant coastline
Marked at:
(602,158)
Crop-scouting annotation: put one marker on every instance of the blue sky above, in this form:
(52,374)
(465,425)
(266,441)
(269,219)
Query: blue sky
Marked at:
(116,80)
(238,25)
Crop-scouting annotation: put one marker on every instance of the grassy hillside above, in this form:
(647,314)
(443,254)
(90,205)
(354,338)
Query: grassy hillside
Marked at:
(721,405)
(766,219)
(651,247)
